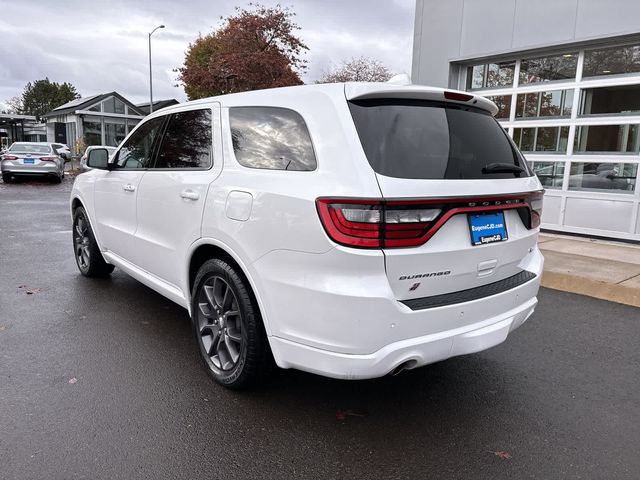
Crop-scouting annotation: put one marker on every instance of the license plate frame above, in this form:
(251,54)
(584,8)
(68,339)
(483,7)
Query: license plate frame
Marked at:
(29,161)
(487,227)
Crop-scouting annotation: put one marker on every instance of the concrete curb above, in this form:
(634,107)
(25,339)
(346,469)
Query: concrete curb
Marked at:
(592,288)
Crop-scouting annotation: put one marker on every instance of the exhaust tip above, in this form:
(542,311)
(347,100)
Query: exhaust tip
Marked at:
(408,365)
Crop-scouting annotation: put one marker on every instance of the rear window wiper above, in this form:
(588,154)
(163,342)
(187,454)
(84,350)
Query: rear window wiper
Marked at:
(502,168)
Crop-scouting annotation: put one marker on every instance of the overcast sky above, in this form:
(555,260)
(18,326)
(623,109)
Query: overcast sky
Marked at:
(101,45)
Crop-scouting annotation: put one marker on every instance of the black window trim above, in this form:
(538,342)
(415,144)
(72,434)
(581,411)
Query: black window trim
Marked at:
(230,140)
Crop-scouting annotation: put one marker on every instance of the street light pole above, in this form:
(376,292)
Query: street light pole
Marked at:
(150,75)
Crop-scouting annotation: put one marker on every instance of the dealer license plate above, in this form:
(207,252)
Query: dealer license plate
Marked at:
(487,228)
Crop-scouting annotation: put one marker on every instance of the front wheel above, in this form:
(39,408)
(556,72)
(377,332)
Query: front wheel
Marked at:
(228,327)
(88,257)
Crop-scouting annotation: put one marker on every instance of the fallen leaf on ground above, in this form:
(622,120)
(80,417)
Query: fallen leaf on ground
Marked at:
(29,291)
(341,415)
(73,380)
(2,327)
(502,455)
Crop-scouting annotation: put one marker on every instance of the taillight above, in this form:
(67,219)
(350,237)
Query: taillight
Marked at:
(9,157)
(376,223)
(356,223)
(535,200)
(370,223)
(48,159)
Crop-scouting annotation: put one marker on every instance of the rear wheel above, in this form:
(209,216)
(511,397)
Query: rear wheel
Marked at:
(88,257)
(6,177)
(228,327)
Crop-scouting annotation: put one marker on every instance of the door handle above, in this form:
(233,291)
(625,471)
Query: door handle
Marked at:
(129,188)
(190,195)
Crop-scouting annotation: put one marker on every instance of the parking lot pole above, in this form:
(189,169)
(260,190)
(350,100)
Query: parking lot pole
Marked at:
(150,74)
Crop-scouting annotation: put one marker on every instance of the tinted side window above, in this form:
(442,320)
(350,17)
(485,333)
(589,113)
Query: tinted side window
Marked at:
(137,150)
(187,141)
(271,138)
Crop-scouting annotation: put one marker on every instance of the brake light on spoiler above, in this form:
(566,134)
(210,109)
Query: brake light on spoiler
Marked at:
(370,223)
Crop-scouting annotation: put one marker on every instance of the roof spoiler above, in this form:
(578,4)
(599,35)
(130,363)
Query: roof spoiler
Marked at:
(364,90)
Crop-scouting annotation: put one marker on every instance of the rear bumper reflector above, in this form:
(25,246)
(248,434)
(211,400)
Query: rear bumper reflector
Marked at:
(471,293)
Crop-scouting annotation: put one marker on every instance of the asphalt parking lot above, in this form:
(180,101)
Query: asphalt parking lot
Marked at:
(101,379)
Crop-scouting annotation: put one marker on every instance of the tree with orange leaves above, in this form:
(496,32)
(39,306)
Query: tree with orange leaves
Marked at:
(253,49)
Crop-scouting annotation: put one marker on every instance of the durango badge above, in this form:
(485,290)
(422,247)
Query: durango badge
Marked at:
(425,275)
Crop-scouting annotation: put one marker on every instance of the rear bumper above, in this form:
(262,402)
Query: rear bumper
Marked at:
(51,169)
(410,353)
(335,314)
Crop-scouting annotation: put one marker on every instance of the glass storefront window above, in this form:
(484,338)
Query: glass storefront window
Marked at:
(611,61)
(552,139)
(554,103)
(607,139)
(500,74)
(548,69)
(503,102)
(527,105)
(131,124)
(550,174)
(567,103)
(524,138)
(619,100)
(114,132)
(113,105)
(92,129)
(610,177)
(542,139)
(490,75)
(475,76)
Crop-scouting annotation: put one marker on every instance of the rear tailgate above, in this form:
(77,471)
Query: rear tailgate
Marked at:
(449,261)
(452,178)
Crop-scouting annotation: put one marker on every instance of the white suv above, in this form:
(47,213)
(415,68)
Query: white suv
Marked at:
(350,230)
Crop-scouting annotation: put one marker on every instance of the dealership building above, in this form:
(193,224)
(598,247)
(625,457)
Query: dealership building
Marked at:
(103,119)
(565,75)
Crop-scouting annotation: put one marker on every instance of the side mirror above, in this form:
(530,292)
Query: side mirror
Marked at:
(63,156)
(98,158)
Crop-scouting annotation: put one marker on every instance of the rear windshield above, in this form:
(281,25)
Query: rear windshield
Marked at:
(29,148)
(430,140)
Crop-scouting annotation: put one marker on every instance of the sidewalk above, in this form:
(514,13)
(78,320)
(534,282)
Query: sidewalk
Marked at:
(603,269)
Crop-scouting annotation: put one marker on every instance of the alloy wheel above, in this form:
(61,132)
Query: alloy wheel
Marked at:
(82,241)
(219,323)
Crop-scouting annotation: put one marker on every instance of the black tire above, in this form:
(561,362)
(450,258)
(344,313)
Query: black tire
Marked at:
(6,177)
(57,179)
(214,323)
(85,248)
